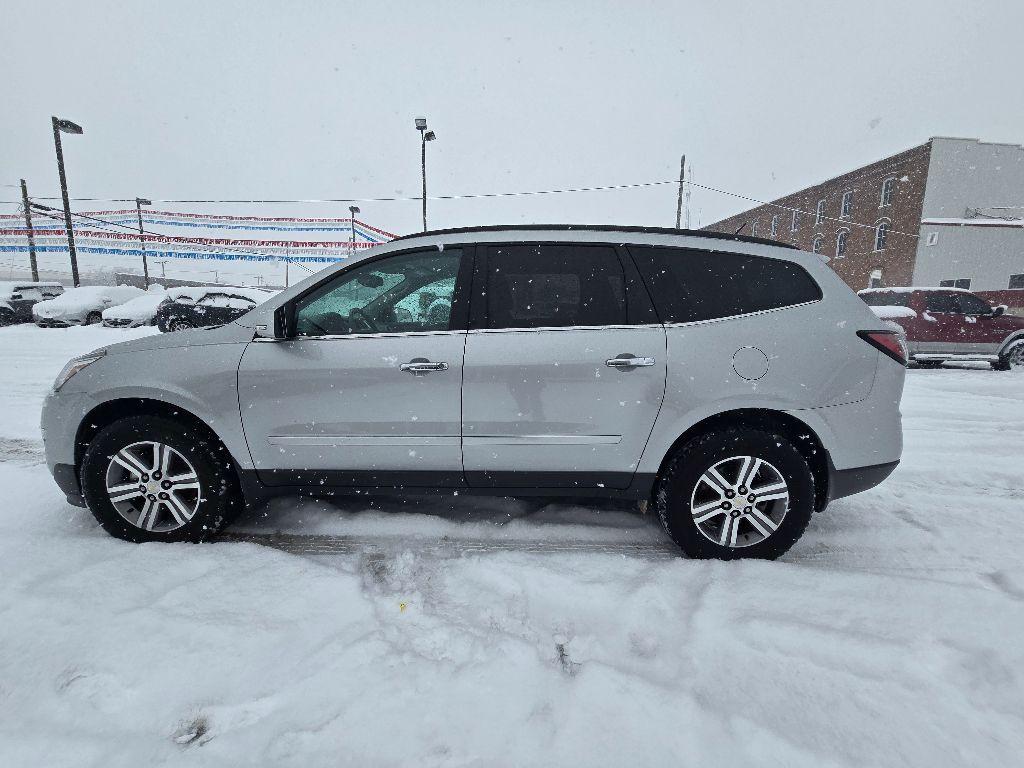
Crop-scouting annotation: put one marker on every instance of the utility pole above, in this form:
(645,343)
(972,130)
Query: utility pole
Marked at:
(679,199)
(31,236)
(139,202)
(66,126)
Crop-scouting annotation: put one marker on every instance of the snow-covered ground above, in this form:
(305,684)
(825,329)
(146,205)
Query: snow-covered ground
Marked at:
(483,632)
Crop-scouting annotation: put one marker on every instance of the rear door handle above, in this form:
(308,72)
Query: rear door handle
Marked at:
(422,366)
(629,362)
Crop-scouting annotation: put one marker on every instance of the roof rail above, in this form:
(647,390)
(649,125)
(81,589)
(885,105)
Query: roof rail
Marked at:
(597,228)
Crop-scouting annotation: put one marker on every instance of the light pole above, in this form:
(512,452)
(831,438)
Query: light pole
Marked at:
(66,126)
(353,210)
(139,202)
(425,136)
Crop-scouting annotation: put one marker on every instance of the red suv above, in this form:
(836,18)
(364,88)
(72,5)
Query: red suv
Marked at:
(951,324)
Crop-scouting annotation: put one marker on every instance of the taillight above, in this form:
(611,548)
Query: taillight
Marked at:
(888,343)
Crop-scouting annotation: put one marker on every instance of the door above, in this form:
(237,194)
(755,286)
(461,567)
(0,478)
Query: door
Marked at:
(956,322)
(368,393)
(565,369)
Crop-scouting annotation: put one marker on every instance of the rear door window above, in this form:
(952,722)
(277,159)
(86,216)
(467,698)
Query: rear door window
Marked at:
(886,298)
(689,285)
(554,286)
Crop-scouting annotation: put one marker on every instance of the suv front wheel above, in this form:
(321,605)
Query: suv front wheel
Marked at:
(147,478)
(1012,358)
(737,493)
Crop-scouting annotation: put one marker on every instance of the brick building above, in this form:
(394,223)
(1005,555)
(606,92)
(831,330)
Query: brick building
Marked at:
(939,213)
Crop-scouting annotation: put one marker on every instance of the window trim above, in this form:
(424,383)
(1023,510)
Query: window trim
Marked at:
(819,212)
(888,228)
(843,233)
(882,202)
(774,230)
(794,221)
(817,236)
(847,198)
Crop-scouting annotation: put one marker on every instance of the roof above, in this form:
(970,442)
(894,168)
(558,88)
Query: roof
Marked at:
(596,228)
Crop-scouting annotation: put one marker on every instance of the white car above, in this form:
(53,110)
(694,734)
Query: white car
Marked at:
(82,306)
(138,311)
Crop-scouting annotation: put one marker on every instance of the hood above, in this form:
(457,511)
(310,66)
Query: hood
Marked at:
(232,333)
(49,309)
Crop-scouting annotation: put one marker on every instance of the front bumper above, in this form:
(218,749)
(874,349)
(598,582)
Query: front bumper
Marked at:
(56,322)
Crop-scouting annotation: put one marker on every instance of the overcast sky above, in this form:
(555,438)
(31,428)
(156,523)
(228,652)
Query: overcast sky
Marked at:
(317,100)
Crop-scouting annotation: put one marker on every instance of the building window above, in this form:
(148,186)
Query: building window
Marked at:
(933,238)
(817,243)
(887,189)
(875,280)
(1016,282)
(960,282)
(753,229)
(819,213)
(841,243)
(846,209)
(881,234)
(794,222)
(775,225)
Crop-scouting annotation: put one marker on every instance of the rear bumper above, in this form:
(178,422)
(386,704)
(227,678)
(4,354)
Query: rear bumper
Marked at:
(846,482)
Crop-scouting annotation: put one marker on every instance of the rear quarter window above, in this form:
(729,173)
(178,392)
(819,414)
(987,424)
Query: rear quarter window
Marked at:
(689,285)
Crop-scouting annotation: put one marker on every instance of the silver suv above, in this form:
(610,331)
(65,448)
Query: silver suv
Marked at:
(736,384)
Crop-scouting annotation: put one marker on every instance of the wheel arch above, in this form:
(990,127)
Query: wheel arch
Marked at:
(799,432)
(1010,340)
(106,413)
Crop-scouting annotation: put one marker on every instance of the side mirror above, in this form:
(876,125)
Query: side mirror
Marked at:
(284,321)
(997,311)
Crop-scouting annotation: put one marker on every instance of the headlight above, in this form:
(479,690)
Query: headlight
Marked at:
(74,366)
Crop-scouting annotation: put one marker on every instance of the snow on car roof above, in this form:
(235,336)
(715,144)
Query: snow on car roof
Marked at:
(255,294)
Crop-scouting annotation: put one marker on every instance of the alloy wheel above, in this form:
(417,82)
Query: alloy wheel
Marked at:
(739,501)
(153,486)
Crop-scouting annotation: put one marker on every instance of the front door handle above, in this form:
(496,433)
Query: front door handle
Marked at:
(422,366)
(629,362)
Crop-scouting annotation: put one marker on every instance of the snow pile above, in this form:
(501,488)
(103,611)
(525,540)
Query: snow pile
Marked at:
(481,632)
(76,302)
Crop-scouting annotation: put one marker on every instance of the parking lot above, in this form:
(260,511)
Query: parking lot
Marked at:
(450,630)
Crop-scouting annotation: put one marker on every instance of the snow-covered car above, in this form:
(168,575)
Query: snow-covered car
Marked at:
(82,306)
(185,308)
(138,311)
(17,299)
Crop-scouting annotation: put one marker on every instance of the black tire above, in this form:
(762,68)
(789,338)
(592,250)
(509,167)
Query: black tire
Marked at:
(93,317)
(6,317)
(177,324)
(1012,359)
(220,497)
(679,479)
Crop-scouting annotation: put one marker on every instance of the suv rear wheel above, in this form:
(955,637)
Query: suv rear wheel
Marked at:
(147,478)
(737,493)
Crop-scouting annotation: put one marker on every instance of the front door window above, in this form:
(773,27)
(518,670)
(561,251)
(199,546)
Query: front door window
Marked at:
(411,292)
